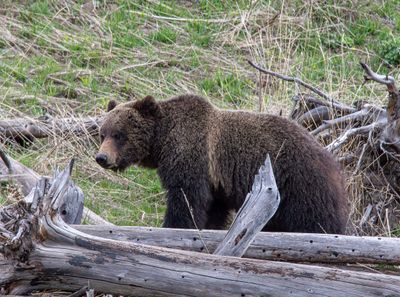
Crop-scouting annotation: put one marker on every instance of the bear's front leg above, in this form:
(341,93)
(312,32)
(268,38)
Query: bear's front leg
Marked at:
(185,205)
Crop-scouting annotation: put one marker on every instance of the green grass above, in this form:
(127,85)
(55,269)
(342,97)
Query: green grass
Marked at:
(70,60)
(231,87)
(164,35)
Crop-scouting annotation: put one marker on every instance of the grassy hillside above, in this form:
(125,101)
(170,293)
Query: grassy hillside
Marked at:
(69,58)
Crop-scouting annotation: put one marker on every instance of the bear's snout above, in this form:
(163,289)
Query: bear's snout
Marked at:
(101,159)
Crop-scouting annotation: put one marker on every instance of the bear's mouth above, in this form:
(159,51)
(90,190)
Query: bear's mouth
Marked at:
(119,166)
(114,167)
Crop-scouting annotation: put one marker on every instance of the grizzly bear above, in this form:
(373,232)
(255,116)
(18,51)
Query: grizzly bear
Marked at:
(207,159)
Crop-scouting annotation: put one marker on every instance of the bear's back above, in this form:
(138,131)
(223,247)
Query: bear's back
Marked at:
(308,177)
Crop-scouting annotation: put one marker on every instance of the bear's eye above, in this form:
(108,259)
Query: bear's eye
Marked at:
(102,136)
(118,136)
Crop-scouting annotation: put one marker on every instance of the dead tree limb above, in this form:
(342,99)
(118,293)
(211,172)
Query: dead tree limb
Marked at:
(350,133)
(259,207)
(39,251)
(13,170)
(82,291)
(314,116)
(314,102)
(371,75)
(42,127)
(292,79)
(393,106)
(27,179)
(94,219)
(349,118)
(295,247)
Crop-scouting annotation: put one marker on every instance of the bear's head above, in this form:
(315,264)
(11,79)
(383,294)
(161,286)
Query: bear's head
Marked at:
(127,133)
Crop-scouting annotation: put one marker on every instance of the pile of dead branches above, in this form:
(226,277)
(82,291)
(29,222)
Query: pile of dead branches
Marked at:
(366,140)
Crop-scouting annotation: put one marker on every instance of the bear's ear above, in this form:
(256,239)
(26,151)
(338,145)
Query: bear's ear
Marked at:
(148,107)
(111,105)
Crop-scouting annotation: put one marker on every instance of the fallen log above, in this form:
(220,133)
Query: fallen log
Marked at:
(31,183)
(27,179)
(45,126)
(38,251)
(295,247)
(12,170)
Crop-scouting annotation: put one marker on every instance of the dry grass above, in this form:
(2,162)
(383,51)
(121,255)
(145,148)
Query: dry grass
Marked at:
(68,58)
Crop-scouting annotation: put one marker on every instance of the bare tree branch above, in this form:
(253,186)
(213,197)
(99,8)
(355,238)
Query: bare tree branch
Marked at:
(258,208)
(371,75)
(393,107)
(293,79)
(344,138)
(27,179)
(335,105)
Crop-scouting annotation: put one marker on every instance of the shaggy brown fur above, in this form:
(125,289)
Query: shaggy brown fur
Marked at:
(211,156)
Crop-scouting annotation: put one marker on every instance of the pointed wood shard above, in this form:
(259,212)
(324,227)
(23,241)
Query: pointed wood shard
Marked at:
(258,208)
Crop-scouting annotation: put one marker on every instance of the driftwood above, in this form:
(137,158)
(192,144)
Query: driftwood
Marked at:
(12,170)
(39,251)
(253,215)
(28,129)
(32,184)
(295,247)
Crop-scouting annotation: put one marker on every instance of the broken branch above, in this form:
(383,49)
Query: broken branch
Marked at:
(292,79)
(258,208)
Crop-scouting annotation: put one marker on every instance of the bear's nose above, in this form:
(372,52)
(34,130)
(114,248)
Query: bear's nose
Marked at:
(101,159)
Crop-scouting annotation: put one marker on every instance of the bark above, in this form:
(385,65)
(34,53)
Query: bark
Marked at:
(295,247)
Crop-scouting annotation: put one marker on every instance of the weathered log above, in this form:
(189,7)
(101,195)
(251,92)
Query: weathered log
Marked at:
(27,179)
(46,126)
(295,247)
(15,171)
(315,116)
(39,251)
(259,207)
(82,291)
(273,246)
(30,181)
(313,102)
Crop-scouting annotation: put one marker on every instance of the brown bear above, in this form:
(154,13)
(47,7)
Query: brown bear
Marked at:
(207,157)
